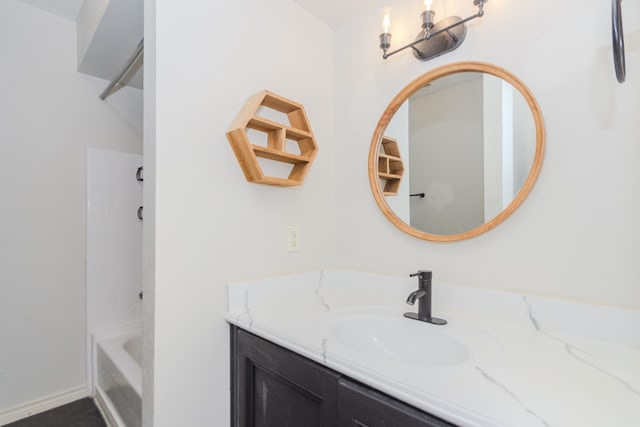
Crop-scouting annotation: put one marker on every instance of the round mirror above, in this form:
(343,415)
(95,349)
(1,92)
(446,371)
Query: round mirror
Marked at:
(456,152)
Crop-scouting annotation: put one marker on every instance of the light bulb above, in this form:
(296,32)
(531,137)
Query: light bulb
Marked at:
(427,5)
(386,21)
(385,37)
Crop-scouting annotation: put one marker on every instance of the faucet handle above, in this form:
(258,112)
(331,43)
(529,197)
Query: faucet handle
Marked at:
(424,274)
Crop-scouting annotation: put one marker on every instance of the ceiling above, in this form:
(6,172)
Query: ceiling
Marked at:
(67,9)
(333,12)
(111,45)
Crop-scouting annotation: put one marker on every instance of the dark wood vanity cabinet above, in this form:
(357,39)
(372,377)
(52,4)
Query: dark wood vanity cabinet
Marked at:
(274,387)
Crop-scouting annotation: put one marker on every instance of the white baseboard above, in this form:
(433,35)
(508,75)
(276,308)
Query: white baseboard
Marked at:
(40,405)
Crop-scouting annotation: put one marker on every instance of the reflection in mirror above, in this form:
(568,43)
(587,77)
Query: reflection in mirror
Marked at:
(471,140)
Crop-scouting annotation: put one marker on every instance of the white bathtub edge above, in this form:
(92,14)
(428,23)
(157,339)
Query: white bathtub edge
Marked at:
(111,339)
(109,413)
(111,344)
(128,367)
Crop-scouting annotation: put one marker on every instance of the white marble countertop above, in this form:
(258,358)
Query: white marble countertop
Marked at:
(530,360)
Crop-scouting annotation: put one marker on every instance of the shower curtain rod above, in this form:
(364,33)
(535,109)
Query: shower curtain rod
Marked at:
(137,56)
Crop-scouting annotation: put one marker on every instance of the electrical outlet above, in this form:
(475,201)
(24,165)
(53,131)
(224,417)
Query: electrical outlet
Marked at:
(293,238)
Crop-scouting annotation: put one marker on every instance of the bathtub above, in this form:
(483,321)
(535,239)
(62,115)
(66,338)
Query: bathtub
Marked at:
(118,376)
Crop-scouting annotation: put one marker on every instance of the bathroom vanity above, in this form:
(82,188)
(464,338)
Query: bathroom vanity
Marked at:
(273,386)
(332,348)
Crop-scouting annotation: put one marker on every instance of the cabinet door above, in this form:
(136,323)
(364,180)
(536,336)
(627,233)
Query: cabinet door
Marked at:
(361,406)
(273,387)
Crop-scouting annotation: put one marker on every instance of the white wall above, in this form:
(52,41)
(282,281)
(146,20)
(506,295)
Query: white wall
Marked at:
(211,226)
(49,115)
(577,235)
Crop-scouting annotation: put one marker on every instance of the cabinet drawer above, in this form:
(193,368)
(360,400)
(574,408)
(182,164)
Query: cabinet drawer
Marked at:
(361,406)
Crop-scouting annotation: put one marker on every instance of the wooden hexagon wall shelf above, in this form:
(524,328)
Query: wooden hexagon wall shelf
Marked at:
(390,167)
(298,130)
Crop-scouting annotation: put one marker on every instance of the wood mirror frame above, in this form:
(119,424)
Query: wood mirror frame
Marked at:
(403,96)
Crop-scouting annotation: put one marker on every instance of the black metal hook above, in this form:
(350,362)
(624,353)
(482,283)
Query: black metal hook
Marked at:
(618,41)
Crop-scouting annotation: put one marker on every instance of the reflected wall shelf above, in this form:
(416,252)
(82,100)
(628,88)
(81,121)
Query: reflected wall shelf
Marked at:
(390,167)
(297,130)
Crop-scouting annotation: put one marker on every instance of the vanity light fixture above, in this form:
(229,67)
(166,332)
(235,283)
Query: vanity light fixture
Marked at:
(435,39)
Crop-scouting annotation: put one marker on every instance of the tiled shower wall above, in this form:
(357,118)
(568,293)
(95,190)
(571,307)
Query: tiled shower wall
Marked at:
(114,240)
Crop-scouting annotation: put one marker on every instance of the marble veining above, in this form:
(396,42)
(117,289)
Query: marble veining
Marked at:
(513,395)
(534,322)
(323,301)
(530,362)
(574,351)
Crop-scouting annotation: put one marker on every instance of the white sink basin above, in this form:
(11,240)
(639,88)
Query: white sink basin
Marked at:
(400,339)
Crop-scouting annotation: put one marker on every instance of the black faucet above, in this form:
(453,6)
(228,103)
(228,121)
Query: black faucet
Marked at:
(424,295)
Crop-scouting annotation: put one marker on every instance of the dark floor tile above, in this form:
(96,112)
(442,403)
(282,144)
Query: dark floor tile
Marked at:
(81,413)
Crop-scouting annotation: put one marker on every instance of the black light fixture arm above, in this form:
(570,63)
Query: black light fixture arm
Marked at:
(427,25)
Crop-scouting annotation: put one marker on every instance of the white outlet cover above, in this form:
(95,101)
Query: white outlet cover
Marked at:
(293,238)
